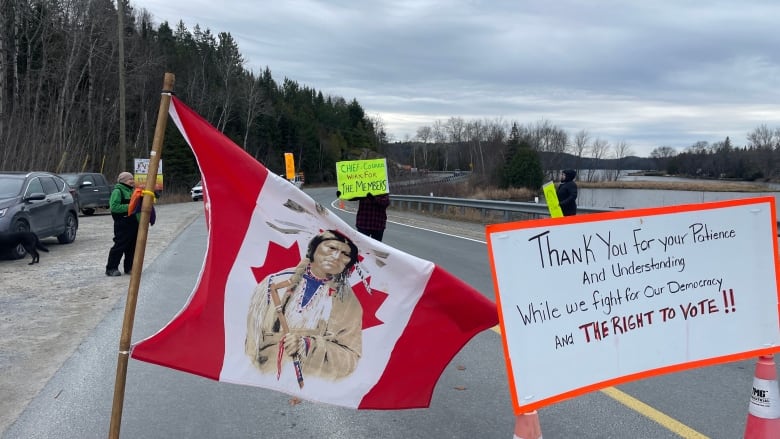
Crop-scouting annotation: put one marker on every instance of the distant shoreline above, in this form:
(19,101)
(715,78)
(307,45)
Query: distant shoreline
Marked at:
(691,185)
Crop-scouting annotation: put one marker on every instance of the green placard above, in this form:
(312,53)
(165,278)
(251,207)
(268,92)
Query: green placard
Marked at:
(356,178)
(552,200)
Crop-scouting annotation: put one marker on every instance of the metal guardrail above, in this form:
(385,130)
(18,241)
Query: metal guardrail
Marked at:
(509,210)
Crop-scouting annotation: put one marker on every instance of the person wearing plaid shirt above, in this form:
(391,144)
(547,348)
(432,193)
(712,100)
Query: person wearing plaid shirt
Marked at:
(372,215)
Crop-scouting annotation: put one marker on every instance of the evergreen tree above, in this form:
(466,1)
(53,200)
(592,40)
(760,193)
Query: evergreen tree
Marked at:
(523,167)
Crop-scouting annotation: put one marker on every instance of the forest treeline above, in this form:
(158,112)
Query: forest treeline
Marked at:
(486,147)
(60,88)
(67,104)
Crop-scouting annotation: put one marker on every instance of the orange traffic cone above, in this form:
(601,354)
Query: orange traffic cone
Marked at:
(341,204)
(527,426)
(763,421)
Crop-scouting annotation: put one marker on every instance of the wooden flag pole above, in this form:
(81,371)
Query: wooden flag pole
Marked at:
(138,260)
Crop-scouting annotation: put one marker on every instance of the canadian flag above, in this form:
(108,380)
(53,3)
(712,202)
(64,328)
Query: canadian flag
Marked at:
(412,317)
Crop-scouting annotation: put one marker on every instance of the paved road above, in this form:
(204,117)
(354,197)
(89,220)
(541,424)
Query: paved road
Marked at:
(471,399)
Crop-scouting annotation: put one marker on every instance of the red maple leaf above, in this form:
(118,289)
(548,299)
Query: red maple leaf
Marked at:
(280,258)
(370,303)
(277,259)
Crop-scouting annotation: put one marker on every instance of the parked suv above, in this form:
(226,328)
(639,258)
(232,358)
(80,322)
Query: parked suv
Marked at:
(92,191)
(40,202)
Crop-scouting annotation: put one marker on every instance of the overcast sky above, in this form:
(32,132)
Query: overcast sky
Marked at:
(657,73)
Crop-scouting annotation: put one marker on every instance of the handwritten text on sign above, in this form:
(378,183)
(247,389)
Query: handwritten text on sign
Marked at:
(633,292)
(357,178)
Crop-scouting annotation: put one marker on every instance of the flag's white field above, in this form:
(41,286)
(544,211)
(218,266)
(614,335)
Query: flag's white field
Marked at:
(416,316)
(403,280)
(602,299)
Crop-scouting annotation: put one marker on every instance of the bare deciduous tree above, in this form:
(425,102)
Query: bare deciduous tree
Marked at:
(765,141)
(547,138)
(598,152)
(621,150)
(424,135)
(662,154)
(440,140)
(762,137)
(257,102)
(475,136)
(580,146)
(455,128)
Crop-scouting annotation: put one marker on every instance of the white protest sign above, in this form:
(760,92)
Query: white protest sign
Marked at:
(141,168)
(590,301)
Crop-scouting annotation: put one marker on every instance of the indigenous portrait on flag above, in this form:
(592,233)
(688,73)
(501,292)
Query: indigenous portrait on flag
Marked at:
(332,284)
(314,327)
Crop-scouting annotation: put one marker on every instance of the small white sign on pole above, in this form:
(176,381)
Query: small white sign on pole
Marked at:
(590,301)
(141,170)
(141,166)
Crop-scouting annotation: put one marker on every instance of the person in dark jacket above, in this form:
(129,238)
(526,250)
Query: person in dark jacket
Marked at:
(371,217)
(567,193)
(125,227)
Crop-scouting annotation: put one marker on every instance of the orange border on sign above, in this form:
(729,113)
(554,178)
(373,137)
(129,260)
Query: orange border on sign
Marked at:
(624,214)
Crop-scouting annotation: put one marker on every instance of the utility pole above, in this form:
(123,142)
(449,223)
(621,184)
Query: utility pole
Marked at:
(121,49)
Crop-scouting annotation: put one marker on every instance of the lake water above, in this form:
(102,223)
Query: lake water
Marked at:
(637,198)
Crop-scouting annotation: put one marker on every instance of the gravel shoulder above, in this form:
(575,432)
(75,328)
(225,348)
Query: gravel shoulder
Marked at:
(46,309)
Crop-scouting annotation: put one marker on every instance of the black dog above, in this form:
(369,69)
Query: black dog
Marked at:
(28,240)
